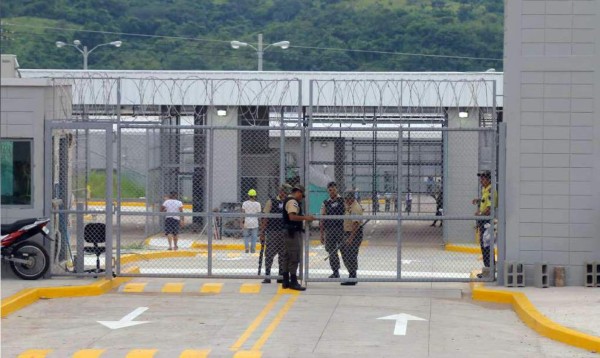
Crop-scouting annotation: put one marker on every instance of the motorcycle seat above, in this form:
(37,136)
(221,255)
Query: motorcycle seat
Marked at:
(6,229)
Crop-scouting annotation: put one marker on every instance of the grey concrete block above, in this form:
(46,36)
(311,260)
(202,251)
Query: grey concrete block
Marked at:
(514,274)
(589,274)
(541,277)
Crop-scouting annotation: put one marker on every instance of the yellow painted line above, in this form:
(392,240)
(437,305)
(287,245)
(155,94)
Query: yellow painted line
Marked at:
(156,255)
(286,291)
(234,254)
(28,296)
(35,353)
(318,242)
(271,328)
(467,249)
(89,353)
(250,288)
(248,354)
(195,353)
(223,247)
(131,203)
(173,287)
(211,288)
(255,324)
(135,287)
(312,254)
(141,353)
(535,319)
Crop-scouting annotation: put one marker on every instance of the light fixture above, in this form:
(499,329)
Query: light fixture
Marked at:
(221,112)
(463,114)
(238,44)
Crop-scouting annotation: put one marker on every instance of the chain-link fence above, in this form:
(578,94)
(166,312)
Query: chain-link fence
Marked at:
(390,169)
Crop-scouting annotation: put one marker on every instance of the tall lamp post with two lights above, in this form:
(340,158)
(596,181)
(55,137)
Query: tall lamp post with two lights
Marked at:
(84,50)
(260,50)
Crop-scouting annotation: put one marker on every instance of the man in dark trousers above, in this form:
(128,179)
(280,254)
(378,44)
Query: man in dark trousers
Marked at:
(293,227)
(353,235)
(273,229)
(332,230)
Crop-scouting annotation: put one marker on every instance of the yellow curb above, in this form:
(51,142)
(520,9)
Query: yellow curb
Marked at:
(318,242)
(35,353)
(250,288)
(156,255)
(211,288)
(467,249)
(195,353)
(173,287)
(534,319)
(130,203)
(89,353)
(238,247)
(141,353)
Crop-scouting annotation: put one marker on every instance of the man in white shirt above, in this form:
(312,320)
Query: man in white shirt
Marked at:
(172,205)
(250,226)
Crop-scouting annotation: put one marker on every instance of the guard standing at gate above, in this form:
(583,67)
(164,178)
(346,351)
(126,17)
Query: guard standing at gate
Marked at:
(273,230)
(353,235)
(293,228)
(332,230)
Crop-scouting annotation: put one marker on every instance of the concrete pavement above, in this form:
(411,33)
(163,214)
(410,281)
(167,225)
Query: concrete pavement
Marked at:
(327,320)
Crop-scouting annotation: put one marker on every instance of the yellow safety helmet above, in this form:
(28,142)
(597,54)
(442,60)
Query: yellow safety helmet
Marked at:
(251,192)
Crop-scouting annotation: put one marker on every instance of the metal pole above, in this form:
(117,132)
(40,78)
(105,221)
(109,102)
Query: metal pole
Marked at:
(119,166)
(260,52)
(109,198)
(282,150)
(501,202)
(399,206)
(85,57)
(494,183)
(305,174)
(211,141)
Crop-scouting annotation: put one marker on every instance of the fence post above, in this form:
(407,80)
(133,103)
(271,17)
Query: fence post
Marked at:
(79,265)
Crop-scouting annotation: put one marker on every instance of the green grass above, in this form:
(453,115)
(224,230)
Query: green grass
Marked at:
(129,188)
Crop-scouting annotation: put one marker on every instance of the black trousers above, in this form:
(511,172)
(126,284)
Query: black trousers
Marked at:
(333,241)
(350,252)
(485,251)
(275,246)
(293,251)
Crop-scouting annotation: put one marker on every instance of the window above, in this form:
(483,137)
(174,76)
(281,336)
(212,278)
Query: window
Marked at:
(15,171)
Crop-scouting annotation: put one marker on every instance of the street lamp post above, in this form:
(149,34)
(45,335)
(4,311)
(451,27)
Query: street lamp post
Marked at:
(260,50)
(84,50)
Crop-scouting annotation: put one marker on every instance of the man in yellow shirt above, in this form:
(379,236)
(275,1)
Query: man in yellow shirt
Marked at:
(484,209)
(353,235)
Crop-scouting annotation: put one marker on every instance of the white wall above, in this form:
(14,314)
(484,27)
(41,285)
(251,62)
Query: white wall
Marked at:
(552,107)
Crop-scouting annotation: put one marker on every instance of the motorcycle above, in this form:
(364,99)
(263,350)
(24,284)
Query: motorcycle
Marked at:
(28,259)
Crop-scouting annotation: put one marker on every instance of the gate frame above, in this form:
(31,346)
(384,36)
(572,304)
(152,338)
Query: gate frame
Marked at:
(107,127)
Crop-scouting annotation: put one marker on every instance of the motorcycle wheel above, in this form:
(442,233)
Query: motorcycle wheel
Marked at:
(37,257)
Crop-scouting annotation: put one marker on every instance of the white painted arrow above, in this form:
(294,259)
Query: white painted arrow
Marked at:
(401,322)
(126,321)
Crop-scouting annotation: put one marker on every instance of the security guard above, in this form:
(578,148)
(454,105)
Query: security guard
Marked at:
(273,228)
(292,222)
(332,230)
(353,235)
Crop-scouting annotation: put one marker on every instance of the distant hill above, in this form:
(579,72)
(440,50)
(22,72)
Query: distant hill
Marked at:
(469,28)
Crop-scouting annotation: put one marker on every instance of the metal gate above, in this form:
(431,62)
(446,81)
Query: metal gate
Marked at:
(79,181)
(408,151)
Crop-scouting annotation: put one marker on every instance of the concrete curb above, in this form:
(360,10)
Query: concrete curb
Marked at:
(529,314)
(29,296)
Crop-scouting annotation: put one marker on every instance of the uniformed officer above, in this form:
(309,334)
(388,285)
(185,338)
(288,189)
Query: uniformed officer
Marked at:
(353,235)
(292,222)
(273,230)
(332,230)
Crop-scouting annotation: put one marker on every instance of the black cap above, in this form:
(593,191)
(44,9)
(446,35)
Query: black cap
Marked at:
(331,184)
(299,188)
(485,174)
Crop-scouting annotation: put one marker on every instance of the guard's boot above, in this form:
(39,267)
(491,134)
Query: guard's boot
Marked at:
(280,274)
(294,285)
(285,283)
(267,273)
(348,283)
(335,274)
